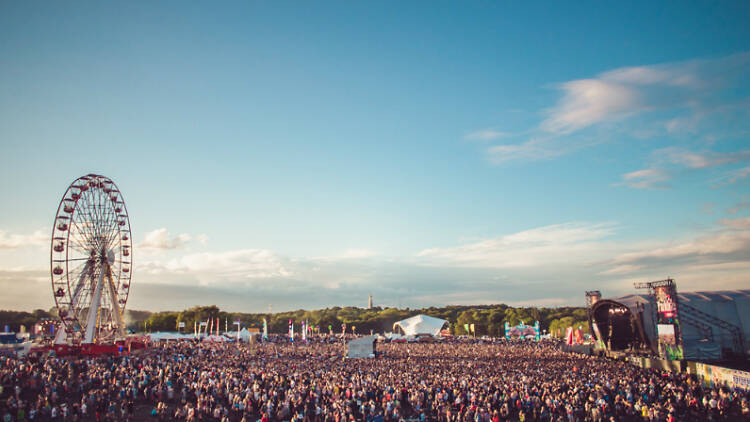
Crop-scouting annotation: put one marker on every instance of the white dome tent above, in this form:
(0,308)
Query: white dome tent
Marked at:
(420,324)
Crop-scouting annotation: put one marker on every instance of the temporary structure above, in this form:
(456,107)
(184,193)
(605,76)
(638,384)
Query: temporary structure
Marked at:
(363,347)
(164,336)
(420,324)
(245,335)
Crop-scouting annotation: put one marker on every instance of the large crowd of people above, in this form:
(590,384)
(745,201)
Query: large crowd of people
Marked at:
(311,381)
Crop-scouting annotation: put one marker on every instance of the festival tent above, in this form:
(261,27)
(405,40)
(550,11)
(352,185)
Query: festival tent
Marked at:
(420,324)
(245,335)
(164,336)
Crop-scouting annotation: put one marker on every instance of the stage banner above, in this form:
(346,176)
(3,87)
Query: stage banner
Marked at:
(599,341)
(569,336)
(717,376)
(667,323)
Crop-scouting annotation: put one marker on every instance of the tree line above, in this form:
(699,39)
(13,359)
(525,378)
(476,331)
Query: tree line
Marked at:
(487,319)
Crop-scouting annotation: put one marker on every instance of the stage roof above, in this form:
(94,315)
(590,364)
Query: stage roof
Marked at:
(420,324)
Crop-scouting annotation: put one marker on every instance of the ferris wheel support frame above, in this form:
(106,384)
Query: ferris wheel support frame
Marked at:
(94,310)
(92,317)
(115,303)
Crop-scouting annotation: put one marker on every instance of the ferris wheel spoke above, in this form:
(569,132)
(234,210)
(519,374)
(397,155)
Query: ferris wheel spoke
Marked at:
(81,236)
(78,259)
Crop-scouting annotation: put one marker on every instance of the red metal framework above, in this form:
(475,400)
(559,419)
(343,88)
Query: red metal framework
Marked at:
(91,258)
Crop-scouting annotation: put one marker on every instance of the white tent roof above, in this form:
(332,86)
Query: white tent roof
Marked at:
(420,324)
(245,335)
(167,336)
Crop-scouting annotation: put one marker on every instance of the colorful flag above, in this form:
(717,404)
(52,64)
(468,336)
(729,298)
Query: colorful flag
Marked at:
(466,327)
(265,329)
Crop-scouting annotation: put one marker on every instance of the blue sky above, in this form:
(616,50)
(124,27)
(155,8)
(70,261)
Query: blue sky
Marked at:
(429,153)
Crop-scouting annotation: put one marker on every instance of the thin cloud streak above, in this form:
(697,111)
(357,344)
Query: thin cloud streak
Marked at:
(485,135)
(621,94)
(161,239)
(17,241)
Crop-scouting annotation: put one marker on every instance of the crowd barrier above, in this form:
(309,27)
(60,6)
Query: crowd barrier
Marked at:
(708,375)
(663,364)
(712,375)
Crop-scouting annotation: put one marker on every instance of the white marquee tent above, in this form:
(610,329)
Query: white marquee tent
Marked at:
(164,336)
(420,324)
(245,335)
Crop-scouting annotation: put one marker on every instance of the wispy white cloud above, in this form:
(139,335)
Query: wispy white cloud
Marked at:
(700,160)
(162,239)
(645,179)
(627,91)
(665,162)
(723,245)
(485,135)
(531,150)
(622,269)
(589,101)
(736,175)
(675,95)
(544,246)
(203,239)
(16,241)
(736,223)
(217,267)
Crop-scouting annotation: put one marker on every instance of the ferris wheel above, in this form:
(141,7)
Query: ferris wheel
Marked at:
(91,261)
